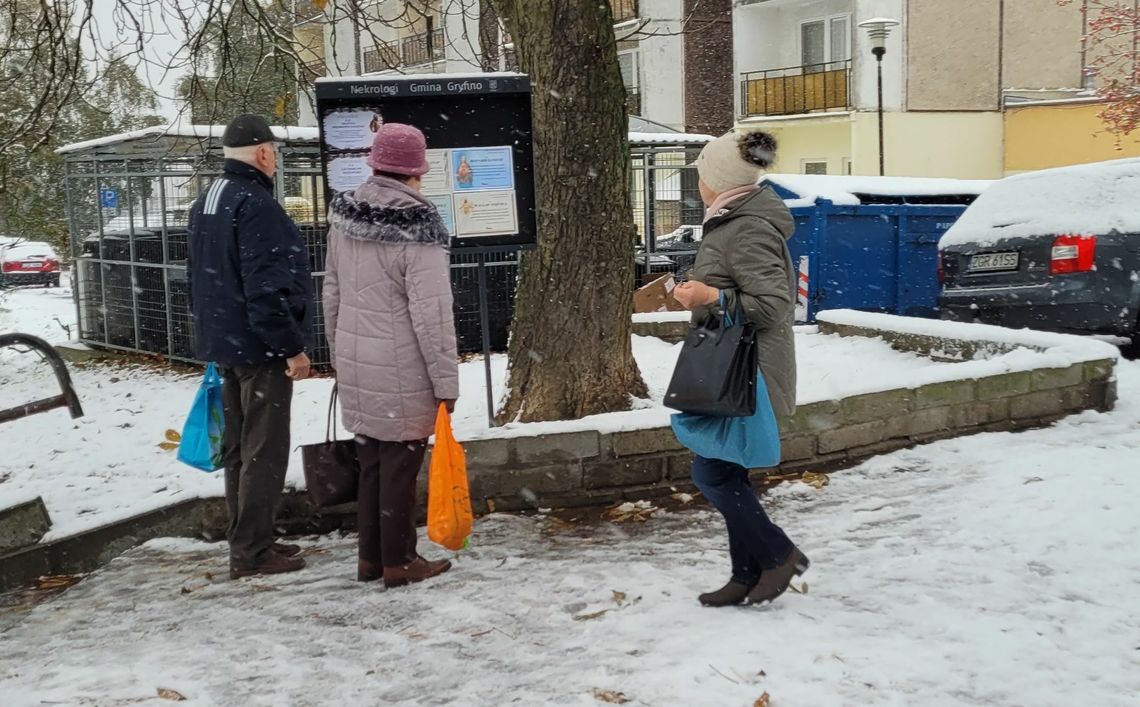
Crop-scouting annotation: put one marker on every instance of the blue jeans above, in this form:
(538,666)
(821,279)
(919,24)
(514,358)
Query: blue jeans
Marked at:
(755,543)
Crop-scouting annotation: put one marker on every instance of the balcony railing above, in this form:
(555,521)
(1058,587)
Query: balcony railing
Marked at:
(796,90)
(624,10)
(418,49)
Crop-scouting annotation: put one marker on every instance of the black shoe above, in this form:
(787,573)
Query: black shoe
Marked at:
(775,581)
(730,594)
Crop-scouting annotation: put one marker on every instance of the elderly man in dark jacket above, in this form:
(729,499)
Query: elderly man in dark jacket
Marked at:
(251,295)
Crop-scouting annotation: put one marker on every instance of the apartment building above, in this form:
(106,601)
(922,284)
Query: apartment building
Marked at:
(675,55)
(971,88)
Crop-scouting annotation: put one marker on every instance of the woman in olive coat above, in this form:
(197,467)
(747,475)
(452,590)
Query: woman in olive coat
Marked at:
(744,257)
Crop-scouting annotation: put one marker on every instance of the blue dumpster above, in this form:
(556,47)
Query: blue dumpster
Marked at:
(871,243)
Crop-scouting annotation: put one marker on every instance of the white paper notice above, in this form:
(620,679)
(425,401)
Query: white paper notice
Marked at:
(485,213)
(438,179)
(351,129)
(349,172)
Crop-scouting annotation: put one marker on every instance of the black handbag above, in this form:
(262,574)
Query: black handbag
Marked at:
(716,371)
(331,467)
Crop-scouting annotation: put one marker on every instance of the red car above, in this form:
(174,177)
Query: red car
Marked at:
(29,263)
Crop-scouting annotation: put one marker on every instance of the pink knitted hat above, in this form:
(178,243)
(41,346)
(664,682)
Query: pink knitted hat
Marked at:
(399,149)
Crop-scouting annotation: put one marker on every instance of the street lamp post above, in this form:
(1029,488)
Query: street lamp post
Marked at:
(878,29)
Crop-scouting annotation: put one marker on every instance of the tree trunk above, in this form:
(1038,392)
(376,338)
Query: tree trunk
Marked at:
(570,353)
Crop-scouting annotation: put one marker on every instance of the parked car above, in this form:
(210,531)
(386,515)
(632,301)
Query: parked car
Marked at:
(1057,250)
(29,263)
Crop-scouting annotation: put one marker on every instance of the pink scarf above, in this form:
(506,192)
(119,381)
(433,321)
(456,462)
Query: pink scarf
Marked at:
(724,200)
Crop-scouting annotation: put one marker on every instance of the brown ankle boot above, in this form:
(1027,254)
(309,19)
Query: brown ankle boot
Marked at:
(286,549)
(368,571)
(775,581)
(730,594)
(274,564)
(417,570)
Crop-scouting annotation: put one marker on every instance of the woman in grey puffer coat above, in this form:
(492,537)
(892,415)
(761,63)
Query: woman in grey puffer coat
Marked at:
(390,327)
(744,257)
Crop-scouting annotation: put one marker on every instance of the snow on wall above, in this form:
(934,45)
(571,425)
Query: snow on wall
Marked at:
(1091,199)
(1065,349)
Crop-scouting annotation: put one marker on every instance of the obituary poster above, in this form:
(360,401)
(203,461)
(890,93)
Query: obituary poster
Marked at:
(485,213)
(446,209)
(438,178)
(483,168)
(347,172)
(351,129)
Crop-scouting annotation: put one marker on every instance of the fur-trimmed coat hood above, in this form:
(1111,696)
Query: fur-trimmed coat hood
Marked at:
(387,211)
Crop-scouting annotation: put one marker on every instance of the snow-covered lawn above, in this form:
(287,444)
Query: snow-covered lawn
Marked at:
(991,570)
(108,465)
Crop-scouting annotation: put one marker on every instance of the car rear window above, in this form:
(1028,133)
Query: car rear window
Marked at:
(29,250)
(1093,199)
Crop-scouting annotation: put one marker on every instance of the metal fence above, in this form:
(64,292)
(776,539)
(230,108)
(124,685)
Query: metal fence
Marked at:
(667,208)
(128,207)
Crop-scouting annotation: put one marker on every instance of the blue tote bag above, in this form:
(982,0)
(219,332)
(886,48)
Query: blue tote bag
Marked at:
(752,442)
(201,445)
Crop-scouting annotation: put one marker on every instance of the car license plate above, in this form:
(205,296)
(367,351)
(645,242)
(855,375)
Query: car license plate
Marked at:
(32,265)
(993,262)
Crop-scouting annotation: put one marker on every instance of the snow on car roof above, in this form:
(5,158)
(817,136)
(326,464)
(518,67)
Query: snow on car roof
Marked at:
(28,248)
(845,190)
(1092,199)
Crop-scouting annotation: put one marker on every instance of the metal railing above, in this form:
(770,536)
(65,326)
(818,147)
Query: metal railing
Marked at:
(415,50)
(797,89)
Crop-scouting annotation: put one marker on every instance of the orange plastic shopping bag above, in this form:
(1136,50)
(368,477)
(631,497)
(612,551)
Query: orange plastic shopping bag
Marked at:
(449,516)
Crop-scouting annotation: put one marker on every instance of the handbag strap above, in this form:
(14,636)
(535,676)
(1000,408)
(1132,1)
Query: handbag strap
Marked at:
(729,320)
(330,429)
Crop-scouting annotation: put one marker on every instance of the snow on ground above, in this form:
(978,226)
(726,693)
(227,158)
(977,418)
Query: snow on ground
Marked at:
(107,465)
(998,569)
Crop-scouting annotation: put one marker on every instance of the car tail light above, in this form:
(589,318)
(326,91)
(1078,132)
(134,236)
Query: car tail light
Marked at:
(51,264)
(1073,254)
(11,266)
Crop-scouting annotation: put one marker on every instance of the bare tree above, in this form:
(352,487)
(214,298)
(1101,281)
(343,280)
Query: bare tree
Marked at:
(1112,41)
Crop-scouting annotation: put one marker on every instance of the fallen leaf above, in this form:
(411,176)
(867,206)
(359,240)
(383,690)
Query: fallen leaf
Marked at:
(590,617)
(490,505)
(59,581)
(764,700)
(815,480)
(613,697)
(171,695)
(168,446)
(619,597)
(173,436)
(1032,480)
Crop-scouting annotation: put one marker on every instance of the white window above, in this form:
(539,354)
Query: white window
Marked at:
(630,68)
(825,40)
(813,166)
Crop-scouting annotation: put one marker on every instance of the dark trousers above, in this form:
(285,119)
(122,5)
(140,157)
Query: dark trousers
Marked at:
(255,444)
(755,543)
(386,503)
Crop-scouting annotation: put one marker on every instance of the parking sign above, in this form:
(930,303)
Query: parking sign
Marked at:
(109,198)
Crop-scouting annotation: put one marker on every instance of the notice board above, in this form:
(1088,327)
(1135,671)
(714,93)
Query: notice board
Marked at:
(479,138)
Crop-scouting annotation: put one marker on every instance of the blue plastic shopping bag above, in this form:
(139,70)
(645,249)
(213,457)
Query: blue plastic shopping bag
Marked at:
(201,445)
(752,442)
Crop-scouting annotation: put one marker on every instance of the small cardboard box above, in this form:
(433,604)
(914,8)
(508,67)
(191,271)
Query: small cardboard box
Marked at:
(657,296)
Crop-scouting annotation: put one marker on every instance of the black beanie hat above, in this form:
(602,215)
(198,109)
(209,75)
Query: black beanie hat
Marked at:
(246,130)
